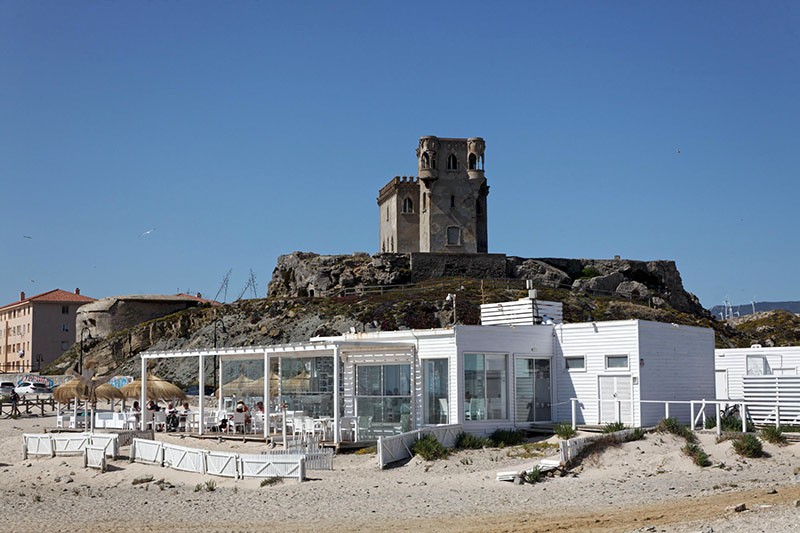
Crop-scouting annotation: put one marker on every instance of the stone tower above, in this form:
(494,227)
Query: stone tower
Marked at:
(444,209)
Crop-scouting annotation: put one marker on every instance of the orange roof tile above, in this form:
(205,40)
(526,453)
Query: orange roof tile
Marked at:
(56,295)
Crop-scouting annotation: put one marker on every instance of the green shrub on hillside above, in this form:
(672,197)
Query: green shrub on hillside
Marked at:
(589,272)
(507,437)
(613,427)
(467,441)
(671,425)
(748,446)
(564,430)
(429,448)
(774,435)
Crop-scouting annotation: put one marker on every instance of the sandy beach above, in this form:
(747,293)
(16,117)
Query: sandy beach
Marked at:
(647,485)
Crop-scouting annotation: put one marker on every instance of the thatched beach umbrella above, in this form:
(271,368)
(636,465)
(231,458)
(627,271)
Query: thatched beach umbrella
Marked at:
(107,391)
(69,391)
(157,389)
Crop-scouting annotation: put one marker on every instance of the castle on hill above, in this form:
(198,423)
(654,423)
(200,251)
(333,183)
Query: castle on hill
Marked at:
(443,210)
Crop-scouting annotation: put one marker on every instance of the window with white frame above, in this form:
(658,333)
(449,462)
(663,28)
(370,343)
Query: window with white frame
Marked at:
(485,387)
(616,362)
(575,363)
(757,366)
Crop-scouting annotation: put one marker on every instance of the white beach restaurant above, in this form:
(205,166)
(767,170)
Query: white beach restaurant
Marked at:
(521,368)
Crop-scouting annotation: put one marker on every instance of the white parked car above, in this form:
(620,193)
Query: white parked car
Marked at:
(6,387)
(26,387)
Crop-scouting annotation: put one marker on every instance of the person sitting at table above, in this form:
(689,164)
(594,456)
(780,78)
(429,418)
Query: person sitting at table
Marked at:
(242,408)
(172,417)
(153,406)
(183,414)
(136,412)
(260,407)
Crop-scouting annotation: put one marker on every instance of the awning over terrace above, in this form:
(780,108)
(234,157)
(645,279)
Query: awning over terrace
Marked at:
(368,351)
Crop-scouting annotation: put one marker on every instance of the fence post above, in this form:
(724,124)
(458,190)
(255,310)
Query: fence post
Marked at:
(666,409)
(719,419)
(691,414)
(744,418)
(619,410)
(573,401)
(704,414)
(778,415)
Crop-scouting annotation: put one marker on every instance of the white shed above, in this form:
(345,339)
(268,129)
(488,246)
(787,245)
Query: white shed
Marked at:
(615,367)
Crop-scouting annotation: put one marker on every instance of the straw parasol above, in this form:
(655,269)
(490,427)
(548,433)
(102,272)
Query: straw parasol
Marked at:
(300,382)
(157,389)
(75,389)
(69,390)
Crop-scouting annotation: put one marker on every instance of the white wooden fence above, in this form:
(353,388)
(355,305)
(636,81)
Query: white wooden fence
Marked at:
(398,447)
(53,444)
(223,464)
(183,458)
(37,444)
(286,465)
(94,457)
(147,451)
(269,465)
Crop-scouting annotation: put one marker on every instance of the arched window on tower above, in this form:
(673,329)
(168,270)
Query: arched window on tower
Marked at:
(408,205)
(473,162)
(452,162)
(426,160)
(452,200)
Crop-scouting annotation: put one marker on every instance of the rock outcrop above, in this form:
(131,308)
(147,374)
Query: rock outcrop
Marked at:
(301,274)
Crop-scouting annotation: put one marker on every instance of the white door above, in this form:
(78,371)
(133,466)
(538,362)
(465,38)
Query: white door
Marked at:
(615,399)
(721,379)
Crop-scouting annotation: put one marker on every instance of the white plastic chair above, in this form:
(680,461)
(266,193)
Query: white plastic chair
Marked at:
(312,428)
(160,420)
(347,425)
(239,421)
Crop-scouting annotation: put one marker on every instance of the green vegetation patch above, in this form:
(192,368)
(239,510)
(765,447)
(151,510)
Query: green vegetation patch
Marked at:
(429,448)
(748,446)
(564,430)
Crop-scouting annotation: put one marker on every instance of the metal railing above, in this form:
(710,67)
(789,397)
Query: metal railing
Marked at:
(697,411)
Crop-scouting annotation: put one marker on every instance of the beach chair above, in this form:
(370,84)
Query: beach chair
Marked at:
(160,421)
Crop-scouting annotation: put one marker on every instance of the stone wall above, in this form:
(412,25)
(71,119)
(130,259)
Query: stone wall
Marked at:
(116,313)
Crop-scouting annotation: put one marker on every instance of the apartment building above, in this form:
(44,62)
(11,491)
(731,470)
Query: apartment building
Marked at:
(36,330)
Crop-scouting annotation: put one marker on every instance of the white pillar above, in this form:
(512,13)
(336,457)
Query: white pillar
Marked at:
(143,405)
(219,380)
(666,409)
(778,415)
(744,418)
(691,414)
(336,420)
(201,382)
(574,402)
(266,396)
(719,418)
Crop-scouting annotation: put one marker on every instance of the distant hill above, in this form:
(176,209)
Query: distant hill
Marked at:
(747,309)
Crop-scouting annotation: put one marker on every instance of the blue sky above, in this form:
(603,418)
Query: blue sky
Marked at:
(244,130)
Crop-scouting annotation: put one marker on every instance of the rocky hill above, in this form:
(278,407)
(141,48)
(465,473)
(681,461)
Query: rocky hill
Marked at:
(301,274)
(275,320)
(769,328)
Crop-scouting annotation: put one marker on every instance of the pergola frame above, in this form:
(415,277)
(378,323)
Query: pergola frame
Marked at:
(338,350)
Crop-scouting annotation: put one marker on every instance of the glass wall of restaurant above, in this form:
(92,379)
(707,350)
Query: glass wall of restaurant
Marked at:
(306,384)
(383,400)
(243,380)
